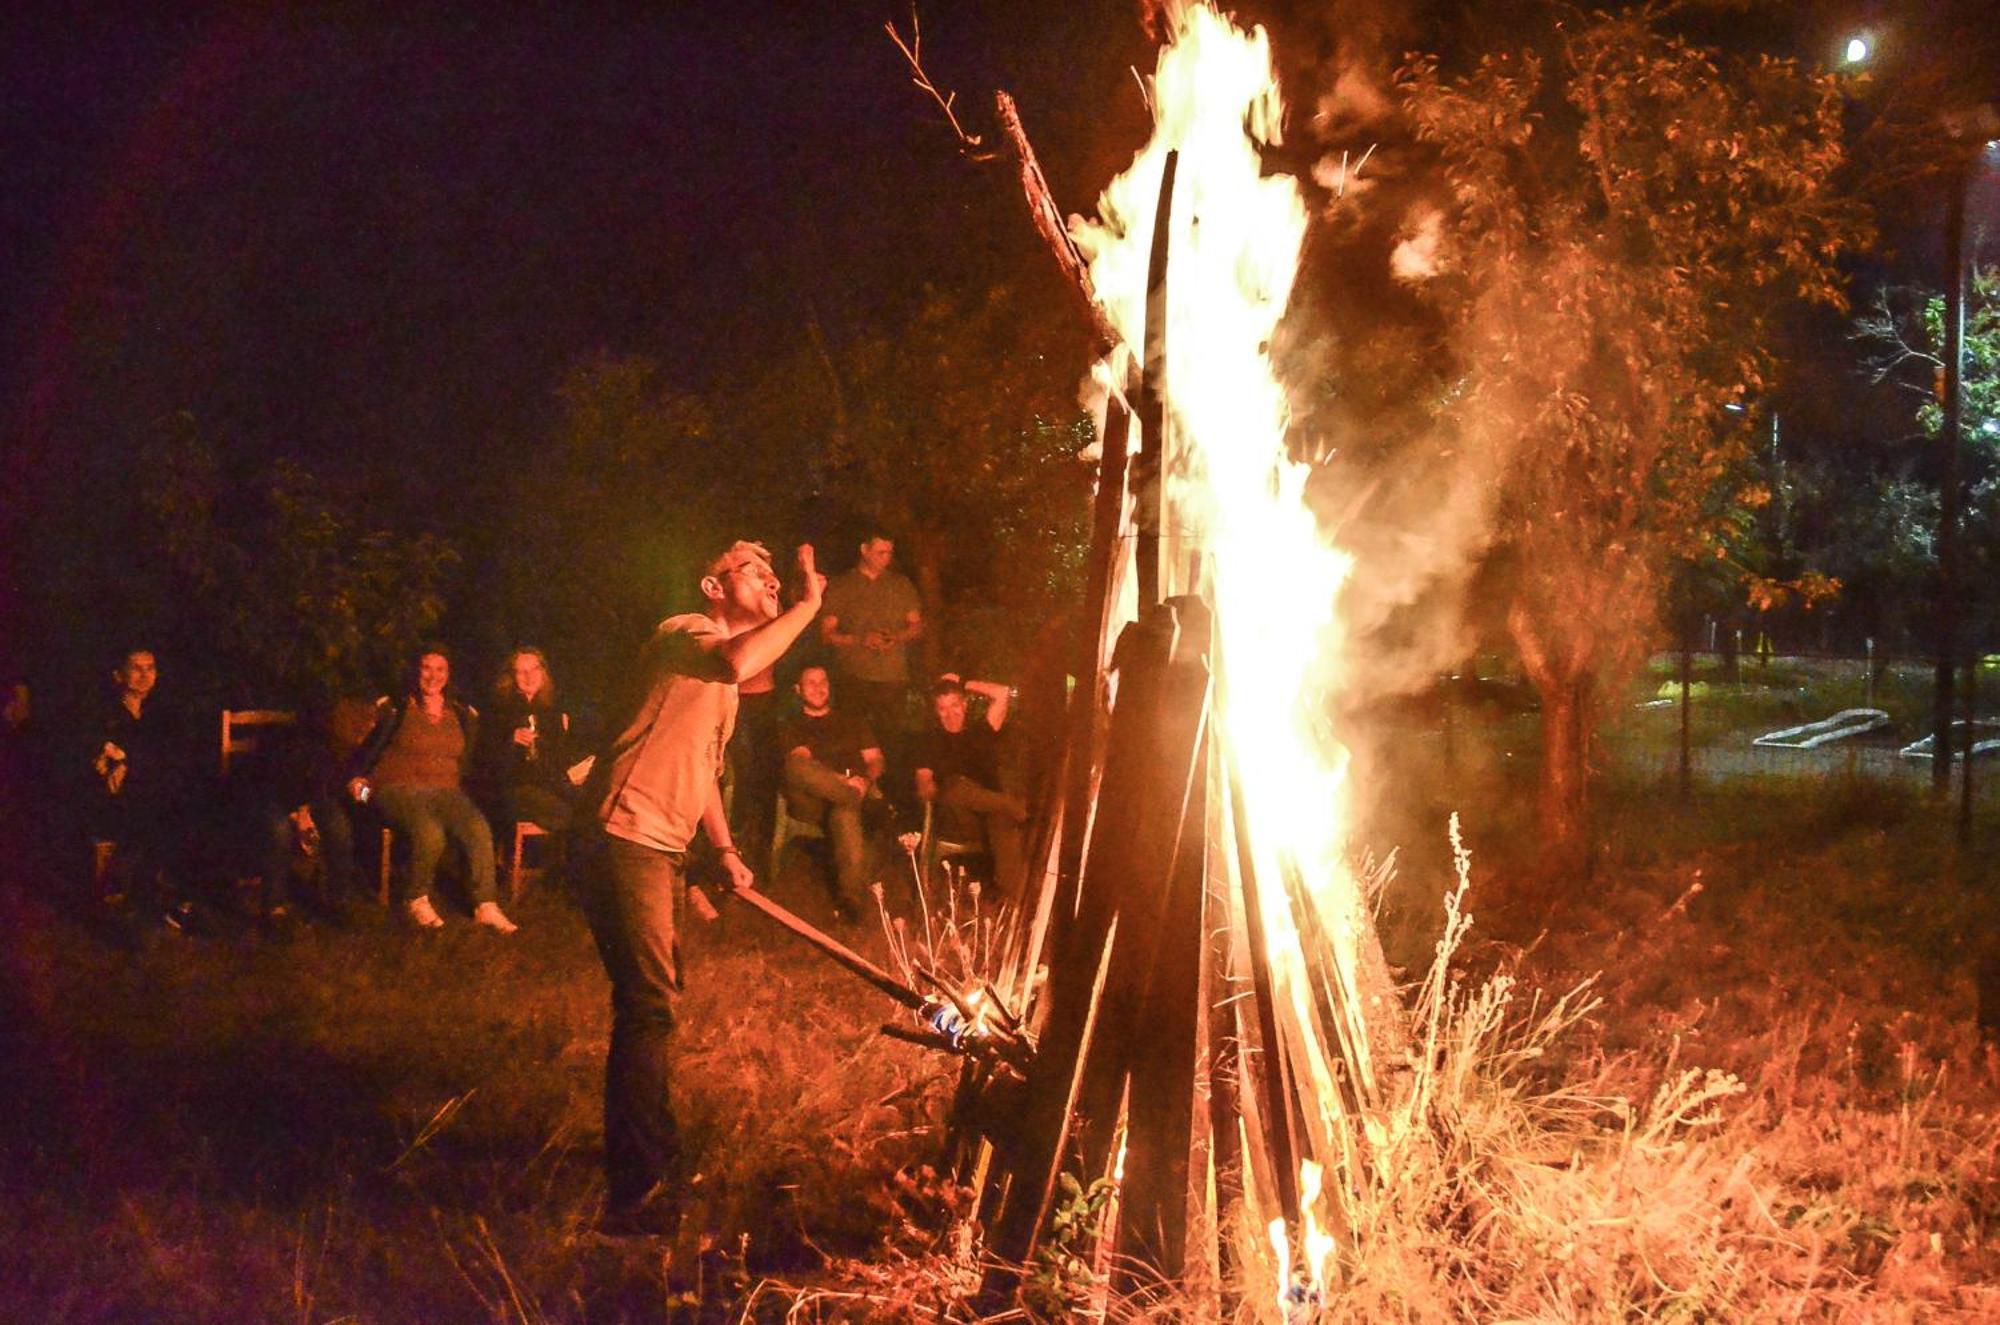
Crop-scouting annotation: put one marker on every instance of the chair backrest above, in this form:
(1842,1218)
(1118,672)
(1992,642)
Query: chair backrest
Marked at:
(243,730)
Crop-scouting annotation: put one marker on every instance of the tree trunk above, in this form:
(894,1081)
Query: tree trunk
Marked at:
(926,554)
(1565,679)
(1563,799)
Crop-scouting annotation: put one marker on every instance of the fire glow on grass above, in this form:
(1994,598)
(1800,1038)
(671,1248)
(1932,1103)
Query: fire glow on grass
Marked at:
(1233,492)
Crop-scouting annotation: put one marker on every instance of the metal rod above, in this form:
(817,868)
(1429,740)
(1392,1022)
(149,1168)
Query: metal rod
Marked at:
(833,948)
(1950,493)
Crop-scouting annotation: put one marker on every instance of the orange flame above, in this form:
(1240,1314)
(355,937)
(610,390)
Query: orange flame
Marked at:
(1234,494)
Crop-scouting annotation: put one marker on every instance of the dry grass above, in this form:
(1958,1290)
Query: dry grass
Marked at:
(1758,1099)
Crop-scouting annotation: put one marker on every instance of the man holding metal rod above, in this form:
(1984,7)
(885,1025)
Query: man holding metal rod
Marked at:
(657,782)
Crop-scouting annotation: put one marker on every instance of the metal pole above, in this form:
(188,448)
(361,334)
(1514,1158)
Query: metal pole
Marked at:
(1971,737)
(1687,750)
(1949,496)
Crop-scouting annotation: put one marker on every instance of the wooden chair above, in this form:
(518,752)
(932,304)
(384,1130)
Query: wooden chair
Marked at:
(382,871)
(101,852)
(523,830)
(242,730)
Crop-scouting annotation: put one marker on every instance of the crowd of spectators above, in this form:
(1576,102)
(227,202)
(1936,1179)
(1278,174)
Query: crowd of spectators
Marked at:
(847,751)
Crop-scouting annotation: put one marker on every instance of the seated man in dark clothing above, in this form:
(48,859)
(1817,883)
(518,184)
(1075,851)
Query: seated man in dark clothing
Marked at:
(832,763)
(138,800)
(958,770)
(302,806)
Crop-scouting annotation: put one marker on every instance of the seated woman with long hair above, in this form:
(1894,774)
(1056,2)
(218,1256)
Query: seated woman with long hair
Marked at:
(525,748)
(412,768)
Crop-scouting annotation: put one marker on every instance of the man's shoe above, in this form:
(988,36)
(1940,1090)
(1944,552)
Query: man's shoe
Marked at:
(422,914)
(490,915)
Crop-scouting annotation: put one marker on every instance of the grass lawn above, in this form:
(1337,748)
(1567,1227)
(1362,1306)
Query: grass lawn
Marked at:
(377,1126)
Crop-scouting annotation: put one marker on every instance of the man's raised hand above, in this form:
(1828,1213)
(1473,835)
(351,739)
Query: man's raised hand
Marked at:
(812,584)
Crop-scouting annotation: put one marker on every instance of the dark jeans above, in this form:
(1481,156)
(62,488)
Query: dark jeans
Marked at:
(532,802)
(336,852)
(630,896)
(963,802)
(427,817)
(816,794)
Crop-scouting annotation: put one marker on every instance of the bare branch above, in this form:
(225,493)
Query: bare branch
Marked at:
(1882,329)
(1042,210)
(1048,220)
(913,52)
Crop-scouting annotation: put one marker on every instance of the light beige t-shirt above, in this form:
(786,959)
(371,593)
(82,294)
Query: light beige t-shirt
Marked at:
(663,766)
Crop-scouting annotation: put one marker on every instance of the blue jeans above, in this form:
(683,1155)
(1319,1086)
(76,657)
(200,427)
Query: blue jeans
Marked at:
(427,817)
(630,895)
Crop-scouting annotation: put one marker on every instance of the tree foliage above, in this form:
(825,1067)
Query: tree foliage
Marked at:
(1902,332)
(293,595)
(1626,215)
(958,430)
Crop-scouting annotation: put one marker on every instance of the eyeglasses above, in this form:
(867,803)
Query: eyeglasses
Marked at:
(755,569)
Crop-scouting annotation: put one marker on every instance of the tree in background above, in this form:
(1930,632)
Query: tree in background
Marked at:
(606,520)
(1902,332)
(959,431)
(288,595)
(1626,215)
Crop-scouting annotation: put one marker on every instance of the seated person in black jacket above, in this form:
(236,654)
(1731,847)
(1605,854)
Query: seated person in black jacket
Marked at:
(525,753)
(138,799)
(958,770)
(832,765)
(525,750)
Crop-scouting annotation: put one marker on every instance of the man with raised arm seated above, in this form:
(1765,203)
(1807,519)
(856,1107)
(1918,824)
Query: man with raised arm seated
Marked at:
(872,614)
(832,765)
(652,787)
(958,770)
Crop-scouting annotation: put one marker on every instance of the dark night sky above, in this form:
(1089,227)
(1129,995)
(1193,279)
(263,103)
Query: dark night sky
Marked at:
(341,233)
(374,236)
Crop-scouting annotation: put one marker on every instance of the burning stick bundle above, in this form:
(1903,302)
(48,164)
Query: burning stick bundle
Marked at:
(1217,1014)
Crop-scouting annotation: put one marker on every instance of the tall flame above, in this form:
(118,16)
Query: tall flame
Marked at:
(1234,493)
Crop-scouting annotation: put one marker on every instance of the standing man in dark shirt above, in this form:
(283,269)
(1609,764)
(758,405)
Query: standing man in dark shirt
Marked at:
(958,770)
(649,791)
(872,614)
(832,765)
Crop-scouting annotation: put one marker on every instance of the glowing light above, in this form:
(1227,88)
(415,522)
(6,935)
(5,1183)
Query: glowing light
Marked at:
(1858,50)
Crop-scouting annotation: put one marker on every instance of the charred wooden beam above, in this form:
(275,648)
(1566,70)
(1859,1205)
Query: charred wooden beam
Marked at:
(1150,398)
(1085,1058)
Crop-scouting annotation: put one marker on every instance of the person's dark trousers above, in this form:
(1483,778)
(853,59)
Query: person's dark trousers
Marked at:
(547,809)
(815,793)
(630,896)
(754,759)
(149,862)
(336,853)
(1001,816)
(428,817)
(884,705)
